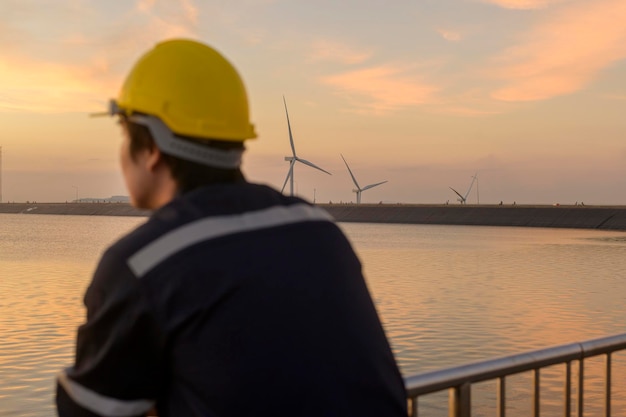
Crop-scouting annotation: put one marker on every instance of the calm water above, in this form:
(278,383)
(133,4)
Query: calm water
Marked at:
(447,295)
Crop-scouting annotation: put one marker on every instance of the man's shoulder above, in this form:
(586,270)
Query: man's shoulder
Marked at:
(224,200)
(238,197)
(119,251)
(216,211)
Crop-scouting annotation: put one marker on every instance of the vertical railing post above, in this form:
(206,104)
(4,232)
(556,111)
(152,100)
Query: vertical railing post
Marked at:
(581,386)
(413,407)
(567,409)
(607,387)
(460,400)
(536,392)
(501,397)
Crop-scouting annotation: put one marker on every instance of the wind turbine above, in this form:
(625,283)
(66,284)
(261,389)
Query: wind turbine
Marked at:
(294,158)
(463,199)
(358,190)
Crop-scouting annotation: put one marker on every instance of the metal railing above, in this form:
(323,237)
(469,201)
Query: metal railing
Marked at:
(458,380)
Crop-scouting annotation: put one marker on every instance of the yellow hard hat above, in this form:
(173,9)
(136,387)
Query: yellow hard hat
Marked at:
(191,88)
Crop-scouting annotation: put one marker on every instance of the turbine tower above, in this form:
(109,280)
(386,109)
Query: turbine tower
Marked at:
(358,190)
(294,158)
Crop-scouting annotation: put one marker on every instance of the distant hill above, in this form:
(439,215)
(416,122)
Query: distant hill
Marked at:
(112,199)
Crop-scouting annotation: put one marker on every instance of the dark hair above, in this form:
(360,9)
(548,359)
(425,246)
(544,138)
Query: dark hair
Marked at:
(187,174)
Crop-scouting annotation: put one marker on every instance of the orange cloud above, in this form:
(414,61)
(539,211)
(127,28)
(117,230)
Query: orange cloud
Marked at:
(37,86)
(90,69)
(191,11)
(449,35)
(380,89)
(565,53)
(524,4)
(183,11)
(615,96)
(145,5)
(328,50)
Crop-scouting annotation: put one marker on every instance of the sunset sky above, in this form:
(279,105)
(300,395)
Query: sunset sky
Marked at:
(528,94)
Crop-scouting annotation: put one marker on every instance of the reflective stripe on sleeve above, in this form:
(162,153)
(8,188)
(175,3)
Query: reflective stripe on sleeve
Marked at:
(202,230)
(100,404)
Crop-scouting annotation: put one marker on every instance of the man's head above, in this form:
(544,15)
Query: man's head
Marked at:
(186,103)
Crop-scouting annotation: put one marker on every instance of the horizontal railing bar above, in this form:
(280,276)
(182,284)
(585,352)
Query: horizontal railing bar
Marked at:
(438,380)
(481,371)
(604,345)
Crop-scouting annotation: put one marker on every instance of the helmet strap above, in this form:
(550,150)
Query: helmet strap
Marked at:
(170,144)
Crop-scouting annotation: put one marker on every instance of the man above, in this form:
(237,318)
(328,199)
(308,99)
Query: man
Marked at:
(232,299)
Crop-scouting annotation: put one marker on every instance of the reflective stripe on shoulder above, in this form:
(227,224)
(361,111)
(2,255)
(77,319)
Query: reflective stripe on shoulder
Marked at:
(213,227)
(100,404)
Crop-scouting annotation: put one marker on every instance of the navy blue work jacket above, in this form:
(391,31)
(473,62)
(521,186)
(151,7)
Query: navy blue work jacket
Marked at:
(232,300)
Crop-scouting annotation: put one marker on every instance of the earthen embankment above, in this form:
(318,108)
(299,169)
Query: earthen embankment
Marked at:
(576,217)
(87,209)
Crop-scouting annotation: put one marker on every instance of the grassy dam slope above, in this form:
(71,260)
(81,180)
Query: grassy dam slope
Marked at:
(577,217)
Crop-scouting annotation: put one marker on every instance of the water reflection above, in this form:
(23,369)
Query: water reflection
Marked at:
(452,295)
(447,295)
(45,266)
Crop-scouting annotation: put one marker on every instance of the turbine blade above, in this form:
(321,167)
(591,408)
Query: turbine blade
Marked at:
(293,148)
(350,171)
(311,164)
(367,187)
(457,193)
(289,174)
(470,187)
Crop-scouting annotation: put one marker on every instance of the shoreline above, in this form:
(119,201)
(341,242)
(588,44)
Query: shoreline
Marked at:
(79,209)
(571,216)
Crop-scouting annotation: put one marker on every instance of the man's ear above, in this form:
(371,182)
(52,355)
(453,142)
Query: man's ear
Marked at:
(154,158)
